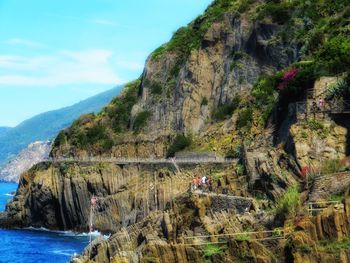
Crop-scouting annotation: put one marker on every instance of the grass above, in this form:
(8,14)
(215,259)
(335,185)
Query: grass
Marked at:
(289,203)
(331,166)
(212,250)
(334,246)
(336,197)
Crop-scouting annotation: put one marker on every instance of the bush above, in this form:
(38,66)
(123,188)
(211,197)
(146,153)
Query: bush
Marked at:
(211,250)
(179,143)
(141,120)
(225,110)
(334,54)
(245,118)
(156,89)
(288,204)
(338,90)
(204,101)
(120,107)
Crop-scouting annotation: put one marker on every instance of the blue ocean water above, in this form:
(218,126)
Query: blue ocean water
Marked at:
(34,246)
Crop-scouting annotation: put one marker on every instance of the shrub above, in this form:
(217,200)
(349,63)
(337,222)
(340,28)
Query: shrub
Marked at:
(245,118)
(233,153)
(61,139)
(224,111)
(287,77)
(120,107)
(334,54)
(204,101)
(288,204)
(239,169)
(96,133)
(211,250)
(338,90)
(179,143)
(156,88)
(141,120)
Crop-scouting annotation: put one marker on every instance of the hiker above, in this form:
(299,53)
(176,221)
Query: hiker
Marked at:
(199,182)
(194,184)
(210,181)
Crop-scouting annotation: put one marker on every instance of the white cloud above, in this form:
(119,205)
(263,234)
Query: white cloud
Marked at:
(66,67)
(24,42)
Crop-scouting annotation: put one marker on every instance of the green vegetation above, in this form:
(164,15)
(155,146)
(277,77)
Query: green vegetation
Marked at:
(156,88)
(330,166)
(141,120)
(288,204)
(245,118)
(314,125)
(204,101)
(190,37)
(243,237)
(179,143)
(239,169)
(336,197)
(338,90)
(119,109)
(211,250)
(224,111)
(234,153)
(334,246)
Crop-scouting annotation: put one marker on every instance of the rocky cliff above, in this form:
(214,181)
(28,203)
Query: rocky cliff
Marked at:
(253,81)
(35,153)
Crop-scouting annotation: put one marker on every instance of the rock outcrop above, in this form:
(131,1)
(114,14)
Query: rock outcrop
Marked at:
(57,196)
(35,153)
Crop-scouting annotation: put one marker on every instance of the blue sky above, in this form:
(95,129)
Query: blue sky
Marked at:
(58,52)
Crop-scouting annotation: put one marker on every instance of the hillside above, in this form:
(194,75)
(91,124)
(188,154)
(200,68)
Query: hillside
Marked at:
(46,126)
(35,153)
(3,130)
(264,84)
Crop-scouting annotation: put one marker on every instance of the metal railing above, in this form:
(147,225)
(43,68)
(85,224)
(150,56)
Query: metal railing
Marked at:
(311,107)
(142,160)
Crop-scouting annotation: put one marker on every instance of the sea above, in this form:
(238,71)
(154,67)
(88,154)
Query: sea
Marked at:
(36,245)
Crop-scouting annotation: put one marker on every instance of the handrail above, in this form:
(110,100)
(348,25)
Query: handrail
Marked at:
(143,160)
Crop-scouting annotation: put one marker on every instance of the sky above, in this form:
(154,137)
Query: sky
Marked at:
(58,52)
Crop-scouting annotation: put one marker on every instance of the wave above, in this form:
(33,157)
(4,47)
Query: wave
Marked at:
(69,232)
(9,195)
(64,252)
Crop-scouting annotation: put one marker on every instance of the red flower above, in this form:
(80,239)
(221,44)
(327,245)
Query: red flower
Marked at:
(305,171)
(287,77)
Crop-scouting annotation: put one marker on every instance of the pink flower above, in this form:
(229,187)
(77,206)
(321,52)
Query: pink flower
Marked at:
(287,77)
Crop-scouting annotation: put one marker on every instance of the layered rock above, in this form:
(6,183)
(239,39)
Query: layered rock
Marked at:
(57,196)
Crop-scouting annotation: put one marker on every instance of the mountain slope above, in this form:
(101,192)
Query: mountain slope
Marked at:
(45,126)
(3,130)
(35,152)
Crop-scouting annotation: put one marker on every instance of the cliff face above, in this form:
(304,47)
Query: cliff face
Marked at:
(179,93)
(36,152)
(213,88)
(57,196)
